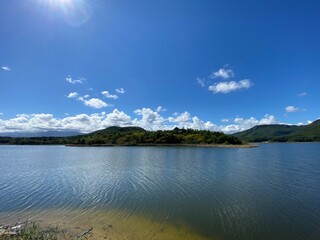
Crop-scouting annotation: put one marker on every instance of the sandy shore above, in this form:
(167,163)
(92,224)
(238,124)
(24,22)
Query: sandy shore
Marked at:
(111,225)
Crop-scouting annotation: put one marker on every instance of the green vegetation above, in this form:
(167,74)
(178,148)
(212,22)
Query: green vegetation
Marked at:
(281,133)
(132,136)
(33,232)
(136,136)
(139,136)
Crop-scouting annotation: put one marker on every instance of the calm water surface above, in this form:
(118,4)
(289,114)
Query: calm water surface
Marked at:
(269,192)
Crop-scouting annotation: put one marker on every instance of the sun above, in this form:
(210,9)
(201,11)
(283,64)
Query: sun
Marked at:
(74,12)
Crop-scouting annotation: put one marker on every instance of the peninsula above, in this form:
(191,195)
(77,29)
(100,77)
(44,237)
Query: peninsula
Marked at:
(134,136)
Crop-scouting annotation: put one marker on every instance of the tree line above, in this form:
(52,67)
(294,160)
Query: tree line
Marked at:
(121,136)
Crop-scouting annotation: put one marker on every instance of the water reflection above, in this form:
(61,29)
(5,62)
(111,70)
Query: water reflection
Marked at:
(270,192)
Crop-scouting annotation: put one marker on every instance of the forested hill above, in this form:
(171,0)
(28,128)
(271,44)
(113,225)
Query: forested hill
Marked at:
(136,136)
(282,133)
(133,136)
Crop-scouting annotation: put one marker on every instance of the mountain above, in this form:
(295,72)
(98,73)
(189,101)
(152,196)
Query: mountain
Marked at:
(139,136)
(41,134)
(114,136)
(115,129)
(281,133)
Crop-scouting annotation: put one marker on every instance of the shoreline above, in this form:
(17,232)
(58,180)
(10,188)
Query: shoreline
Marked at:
(167,145)
(105,224)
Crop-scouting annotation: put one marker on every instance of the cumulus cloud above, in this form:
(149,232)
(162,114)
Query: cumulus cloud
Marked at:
(73,95)
(108,95)
(69,79)
(117,118)
(94,103)
(120,90)
(290,109)
(240,124)
(146,118)
(181,119)
(226,87)
(87,101)
(185,120)
(222,73)
(6,68)
(150,120)
(82,122)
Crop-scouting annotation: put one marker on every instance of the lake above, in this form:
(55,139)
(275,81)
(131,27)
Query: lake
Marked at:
(268,192)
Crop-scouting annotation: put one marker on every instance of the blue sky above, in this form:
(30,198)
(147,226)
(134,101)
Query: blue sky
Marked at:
(223,65)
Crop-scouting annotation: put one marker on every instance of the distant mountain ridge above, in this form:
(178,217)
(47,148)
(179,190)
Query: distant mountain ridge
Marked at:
(42,134)
(281,133)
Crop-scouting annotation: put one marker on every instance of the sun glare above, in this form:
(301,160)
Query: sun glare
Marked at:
(75,12)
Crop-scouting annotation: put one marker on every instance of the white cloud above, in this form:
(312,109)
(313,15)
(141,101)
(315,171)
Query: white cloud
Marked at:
(241,124)
(74,81)
(222,73)
(291,109)
(94,103)
(6,68)
(120,90)
(117,118)
(224,120)
(160,109)
(82,122)
(147,119)
(108,95)
(181,119)
(150,120)
(226,87)
(302,94)
(185,120)
(72,95)
(201,81)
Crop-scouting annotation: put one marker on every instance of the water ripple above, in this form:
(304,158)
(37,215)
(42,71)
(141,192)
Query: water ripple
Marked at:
(271,192)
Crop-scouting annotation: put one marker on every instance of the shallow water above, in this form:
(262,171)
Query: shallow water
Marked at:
(269,192)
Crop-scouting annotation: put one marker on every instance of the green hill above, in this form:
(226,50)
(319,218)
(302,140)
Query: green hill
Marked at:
(139,136)
(115,129)
(310,132)
(281,133)
(132,136)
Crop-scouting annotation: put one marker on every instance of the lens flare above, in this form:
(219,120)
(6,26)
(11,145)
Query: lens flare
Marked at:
(75,12)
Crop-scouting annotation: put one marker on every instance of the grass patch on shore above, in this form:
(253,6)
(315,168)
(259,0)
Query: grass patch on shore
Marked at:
(32,231)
